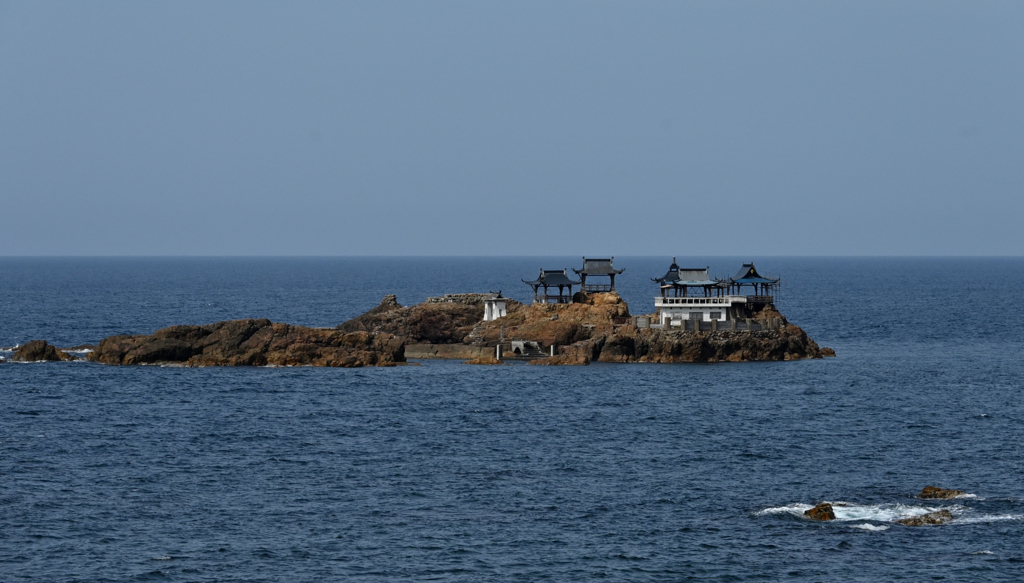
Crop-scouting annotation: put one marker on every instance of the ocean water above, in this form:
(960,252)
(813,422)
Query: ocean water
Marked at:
(517,473)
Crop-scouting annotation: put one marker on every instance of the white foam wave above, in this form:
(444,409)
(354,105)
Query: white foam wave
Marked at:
(989,518)
(870,527)
(846,512)
(982,553)
(797,509)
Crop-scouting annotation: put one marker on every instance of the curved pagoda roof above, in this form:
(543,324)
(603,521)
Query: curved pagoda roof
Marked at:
(687,277)
(552,277)
(598,267)
(748,274)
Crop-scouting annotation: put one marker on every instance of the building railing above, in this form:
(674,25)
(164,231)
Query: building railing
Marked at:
(744,325)
(712,301)
(543,299)
(597,287)
(760,299)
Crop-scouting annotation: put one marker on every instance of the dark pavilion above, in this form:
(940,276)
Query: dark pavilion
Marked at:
(748,275)
(690,295)
(678,282)
(600,268)
(552,278)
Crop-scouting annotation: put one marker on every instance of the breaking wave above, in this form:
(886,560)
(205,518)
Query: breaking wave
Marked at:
(847,512)
(867,514)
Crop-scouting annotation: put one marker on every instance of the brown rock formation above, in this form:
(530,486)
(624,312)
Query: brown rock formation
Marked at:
(252,343)
(827,352)
(937,517)
(822,511)
(38,350)
(630,344)
(596,328)
(558,324)
(438,323)
(575,354)
(940,493)
(484,360)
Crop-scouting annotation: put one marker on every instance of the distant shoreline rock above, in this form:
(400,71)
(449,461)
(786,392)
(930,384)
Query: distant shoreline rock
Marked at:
(933,492)
(251,343)
(40,351)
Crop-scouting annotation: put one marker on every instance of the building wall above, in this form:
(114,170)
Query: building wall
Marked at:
(493,309)
(674,310)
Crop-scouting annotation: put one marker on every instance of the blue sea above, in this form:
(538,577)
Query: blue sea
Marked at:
(450,472)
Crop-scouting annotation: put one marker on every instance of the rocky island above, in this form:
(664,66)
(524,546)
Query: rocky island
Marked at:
(595,327)
(591,325)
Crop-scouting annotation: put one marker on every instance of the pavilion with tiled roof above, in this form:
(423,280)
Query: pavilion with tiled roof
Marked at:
(550,278)
(598,267)
(748,275)
(680,281)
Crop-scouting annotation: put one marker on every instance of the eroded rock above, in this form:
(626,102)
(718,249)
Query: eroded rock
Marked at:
(937,517)
(484,360)
(252,343)
(39,350)
(939,493)
(822,511)
(434,323)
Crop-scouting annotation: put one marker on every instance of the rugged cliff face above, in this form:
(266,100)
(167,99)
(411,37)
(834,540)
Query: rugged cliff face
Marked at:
(252,343)
(630,344)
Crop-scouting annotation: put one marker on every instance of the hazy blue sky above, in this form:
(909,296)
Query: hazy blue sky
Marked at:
(512,128)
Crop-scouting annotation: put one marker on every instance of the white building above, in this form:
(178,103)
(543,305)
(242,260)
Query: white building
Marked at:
(494,307)
(673,311)
(692,295)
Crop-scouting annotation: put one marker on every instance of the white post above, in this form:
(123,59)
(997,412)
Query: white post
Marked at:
(552,350)
(497,352)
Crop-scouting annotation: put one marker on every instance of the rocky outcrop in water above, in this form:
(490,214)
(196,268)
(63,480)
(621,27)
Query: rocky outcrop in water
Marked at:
(597,327)
(822,511)
(484,360)
(39,350)
(435,323)
(252,343)
(933,492)
(630,344)
(937,517)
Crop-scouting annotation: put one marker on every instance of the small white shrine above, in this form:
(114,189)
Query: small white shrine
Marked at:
(494,307)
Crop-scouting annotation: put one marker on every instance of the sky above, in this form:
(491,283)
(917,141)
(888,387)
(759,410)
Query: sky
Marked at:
(512,128)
